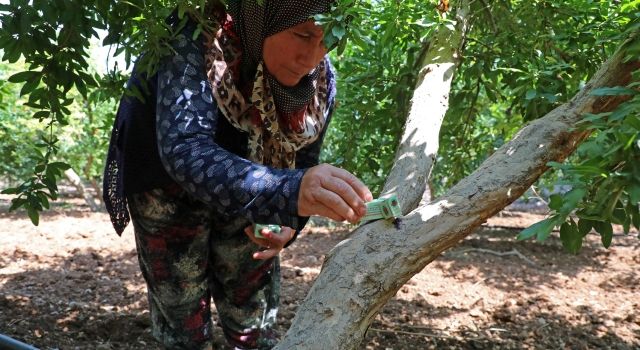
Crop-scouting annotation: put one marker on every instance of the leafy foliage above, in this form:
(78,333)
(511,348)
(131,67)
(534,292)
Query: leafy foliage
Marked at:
(605,177)
(14,130)
(25,154)
(517,67)
(521,60)
(52,38)
(376,75)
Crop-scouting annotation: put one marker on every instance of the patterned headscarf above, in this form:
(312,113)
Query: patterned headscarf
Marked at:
(279,119)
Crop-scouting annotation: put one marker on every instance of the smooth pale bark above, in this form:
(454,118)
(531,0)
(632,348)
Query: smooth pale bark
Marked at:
(418,147)
(75,180)
(363,272)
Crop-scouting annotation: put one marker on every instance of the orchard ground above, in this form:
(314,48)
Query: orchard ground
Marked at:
(72,283)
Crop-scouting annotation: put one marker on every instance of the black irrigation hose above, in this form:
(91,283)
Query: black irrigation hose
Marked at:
(7,343)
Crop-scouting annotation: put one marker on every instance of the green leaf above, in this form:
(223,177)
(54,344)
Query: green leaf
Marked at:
(81,86)
(23,76)
(531,94)
(630,5)
(555,165)
(17,203)
(633,121)
(541,229)
(59,165)
(571,200)
(196,32)
(330,40)
(626,225)
(619,216)
(39,168)
(634,193)
(43,199)
(606,232)
(622,111)
(613,91)
(341,46)
(570,237)
(41,115)
(11,190)
(338,31)
(593,118)
(635,220)
(34,216)
(134,91)
(555,202)
(29,86)
(585,226)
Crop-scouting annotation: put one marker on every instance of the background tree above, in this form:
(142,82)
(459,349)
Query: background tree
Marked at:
(360,274)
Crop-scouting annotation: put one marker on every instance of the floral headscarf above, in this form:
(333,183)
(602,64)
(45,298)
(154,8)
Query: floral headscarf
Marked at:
(280,120)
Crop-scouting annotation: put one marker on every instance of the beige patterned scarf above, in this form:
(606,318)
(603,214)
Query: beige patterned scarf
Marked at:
(274,136)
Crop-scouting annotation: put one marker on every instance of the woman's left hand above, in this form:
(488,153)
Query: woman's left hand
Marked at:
(274,242)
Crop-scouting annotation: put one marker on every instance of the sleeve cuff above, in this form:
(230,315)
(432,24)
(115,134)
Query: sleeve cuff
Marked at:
(297,222)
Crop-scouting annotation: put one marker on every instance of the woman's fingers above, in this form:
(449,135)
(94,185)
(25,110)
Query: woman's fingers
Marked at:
(344,197)
(278,239)
(249,232)
(331,204)
(266,254)
(360,188)
(274,242)
(334,193)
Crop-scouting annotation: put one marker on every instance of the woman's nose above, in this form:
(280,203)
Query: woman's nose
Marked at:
(311,55)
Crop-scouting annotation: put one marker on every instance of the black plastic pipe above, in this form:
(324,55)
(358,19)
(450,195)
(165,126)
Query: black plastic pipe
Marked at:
(7,343)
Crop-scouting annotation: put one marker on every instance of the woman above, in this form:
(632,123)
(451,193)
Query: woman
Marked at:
(228,136)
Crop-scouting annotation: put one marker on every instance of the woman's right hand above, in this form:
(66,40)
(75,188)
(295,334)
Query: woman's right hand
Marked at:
(333,193)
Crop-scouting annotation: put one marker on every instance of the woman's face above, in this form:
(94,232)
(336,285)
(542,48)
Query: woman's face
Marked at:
(293,53)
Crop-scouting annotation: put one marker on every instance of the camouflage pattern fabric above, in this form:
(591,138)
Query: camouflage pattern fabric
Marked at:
(187,259)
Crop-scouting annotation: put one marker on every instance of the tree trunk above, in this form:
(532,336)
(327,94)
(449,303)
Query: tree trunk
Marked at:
(97,188)
(363,272)
(75,180)
(418,147)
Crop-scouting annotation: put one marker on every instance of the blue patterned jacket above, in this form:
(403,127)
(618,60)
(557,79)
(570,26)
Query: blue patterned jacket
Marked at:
(177,134)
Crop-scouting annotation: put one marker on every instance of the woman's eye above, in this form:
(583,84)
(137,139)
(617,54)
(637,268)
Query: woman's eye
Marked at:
(302,35)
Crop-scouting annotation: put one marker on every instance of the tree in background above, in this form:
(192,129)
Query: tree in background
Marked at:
(81,142)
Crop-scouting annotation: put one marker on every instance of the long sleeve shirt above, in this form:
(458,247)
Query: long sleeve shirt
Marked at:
(179,134)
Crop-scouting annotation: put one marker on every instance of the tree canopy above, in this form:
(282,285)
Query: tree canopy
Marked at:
(549,77)
(520,60)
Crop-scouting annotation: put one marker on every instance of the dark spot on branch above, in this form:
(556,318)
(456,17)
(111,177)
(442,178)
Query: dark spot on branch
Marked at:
(396,223)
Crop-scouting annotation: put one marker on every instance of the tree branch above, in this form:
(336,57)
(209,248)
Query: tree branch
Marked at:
(363,272)
(418,147)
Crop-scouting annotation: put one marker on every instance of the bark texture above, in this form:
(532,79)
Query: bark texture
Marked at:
(418,147)
(361,273)
(76,181)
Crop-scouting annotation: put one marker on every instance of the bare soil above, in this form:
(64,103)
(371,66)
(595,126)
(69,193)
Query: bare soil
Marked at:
(72,283)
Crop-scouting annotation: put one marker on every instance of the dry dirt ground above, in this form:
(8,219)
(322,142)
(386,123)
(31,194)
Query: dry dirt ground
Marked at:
(72,283)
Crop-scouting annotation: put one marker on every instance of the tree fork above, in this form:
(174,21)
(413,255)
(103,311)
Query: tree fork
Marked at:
(364,271)
(418,147)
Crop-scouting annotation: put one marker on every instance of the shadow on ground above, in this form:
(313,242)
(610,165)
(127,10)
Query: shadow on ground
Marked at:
(507,328)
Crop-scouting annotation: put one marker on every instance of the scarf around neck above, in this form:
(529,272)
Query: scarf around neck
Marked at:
(278,119)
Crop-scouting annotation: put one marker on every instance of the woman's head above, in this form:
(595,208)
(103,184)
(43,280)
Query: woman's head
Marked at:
(281,33)
(293,53)
(270,77)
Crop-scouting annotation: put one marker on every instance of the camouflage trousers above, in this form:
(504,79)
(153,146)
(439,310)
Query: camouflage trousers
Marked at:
(188,258)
